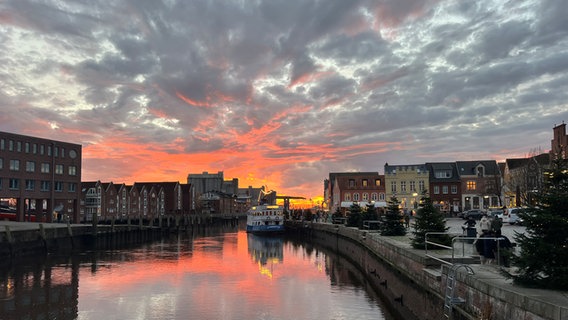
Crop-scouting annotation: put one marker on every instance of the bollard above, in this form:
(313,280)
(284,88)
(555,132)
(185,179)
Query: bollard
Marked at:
(41,231)
(9,234)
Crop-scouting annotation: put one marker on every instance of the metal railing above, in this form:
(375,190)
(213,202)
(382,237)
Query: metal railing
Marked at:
(463,239)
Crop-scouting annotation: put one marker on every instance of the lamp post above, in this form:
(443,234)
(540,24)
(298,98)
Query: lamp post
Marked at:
(51,205)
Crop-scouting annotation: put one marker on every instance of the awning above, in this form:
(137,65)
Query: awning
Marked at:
(378,204)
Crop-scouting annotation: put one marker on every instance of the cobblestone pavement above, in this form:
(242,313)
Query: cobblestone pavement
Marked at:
(507,230)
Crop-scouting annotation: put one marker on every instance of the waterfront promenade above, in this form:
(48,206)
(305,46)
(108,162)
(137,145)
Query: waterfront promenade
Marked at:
(488,293)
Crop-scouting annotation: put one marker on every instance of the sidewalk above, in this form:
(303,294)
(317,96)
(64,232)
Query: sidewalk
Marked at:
(493,277)
(18,226)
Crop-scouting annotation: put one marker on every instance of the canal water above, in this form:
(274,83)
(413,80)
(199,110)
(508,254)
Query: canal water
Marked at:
(214,273)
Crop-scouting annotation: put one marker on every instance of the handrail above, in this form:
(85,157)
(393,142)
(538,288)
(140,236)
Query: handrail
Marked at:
(454,239)
(426,242)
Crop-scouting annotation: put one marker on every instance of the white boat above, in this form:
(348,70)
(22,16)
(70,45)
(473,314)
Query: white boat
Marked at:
(265,219)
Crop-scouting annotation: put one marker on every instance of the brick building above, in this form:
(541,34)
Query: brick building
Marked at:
(142,200)
(40,178)
(345,188)
(444,186)
(481,184)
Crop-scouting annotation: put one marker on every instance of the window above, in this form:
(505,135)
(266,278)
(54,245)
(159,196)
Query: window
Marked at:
(436,190)
(374,196)
(30,166)
(445,189)
(2,144)
(45,186)
(10,145)
(14,184)
(58,186)
(471,185)
(393,186)
(62,152)
(454,189)
(365,183)
(41,149)
(421,185)
(351,182)
(1,163)
(19,146)
(365,196)
(381,197)
(347,197)
(441,174)
(30,185)
(15,165)
(58,169)
(480,171)
(27,147)
(412,186)
(355,197)
(377,182)
(56,151)
(45,167)
(403,186)
(49,151)
(34,148)
(72,187)
(72,170)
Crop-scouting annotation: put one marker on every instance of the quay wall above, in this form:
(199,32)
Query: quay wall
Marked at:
(27,239)
(414,285)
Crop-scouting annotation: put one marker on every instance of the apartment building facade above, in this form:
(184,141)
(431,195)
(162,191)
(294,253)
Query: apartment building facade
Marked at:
(407,183)
(346,188)
(40,178)
(140,201)
(444,186)
(481,184)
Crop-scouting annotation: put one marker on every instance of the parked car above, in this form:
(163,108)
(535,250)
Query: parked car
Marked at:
(512,216)
(495,213)
(475,213)
(515,219)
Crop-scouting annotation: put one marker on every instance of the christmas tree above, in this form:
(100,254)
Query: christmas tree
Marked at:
(429,219)
(355,218)
(393,224)
(543,259)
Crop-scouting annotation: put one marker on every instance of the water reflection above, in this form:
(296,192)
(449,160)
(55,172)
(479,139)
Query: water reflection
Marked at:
(266,252)
(215,274)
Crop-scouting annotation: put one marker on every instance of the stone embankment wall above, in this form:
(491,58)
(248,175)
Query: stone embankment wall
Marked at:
(15,244)
(22,239)
(414,285)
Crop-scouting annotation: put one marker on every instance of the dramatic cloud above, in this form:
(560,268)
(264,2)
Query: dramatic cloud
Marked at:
(283,92)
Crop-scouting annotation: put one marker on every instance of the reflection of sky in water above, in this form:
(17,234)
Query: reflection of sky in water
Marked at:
(221,277)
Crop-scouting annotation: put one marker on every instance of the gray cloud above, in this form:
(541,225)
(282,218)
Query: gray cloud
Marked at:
(316,87)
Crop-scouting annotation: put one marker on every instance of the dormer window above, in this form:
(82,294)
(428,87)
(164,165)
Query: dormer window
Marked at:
(441,174)
(480,171)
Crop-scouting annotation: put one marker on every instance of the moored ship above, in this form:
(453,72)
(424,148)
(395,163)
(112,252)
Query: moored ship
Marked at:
(265,219)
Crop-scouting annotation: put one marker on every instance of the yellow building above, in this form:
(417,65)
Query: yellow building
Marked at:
(406,182)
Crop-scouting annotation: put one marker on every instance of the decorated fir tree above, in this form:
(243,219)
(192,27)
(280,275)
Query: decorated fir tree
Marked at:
(370,212)
(543,257)
(429,219)
(355,218)
(393,223)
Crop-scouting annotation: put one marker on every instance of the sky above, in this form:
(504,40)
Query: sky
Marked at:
(283,92)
